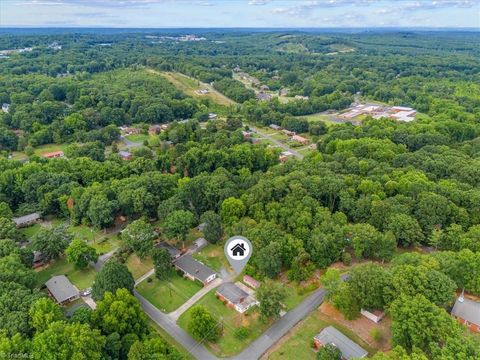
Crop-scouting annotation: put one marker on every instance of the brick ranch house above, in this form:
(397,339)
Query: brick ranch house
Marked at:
(194,270)
(467,312)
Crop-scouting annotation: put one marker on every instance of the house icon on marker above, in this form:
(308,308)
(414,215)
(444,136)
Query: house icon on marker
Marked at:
(238,250)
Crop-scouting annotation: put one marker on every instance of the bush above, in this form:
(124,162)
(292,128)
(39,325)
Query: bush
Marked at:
(242,333)
(376,334)
(347,259)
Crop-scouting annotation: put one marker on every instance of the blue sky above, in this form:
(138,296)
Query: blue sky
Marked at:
(240,13)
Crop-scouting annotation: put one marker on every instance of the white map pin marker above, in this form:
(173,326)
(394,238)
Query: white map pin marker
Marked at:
(238,250)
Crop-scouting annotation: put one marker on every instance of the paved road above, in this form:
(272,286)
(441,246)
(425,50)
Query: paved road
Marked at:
(192,346)
(103,259)
(129,144)
(256,349)
(281,327)
(276,142)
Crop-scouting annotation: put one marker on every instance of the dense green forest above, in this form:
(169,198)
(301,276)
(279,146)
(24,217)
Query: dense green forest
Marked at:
(380,192)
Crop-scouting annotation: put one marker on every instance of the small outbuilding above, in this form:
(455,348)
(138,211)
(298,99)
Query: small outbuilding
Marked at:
(26,220)
(375,315)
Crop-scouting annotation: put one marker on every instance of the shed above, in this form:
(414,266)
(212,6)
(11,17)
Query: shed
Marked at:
(26,220)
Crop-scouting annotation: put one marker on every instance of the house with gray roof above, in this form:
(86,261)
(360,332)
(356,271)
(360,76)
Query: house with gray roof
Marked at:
(235,297)
(194,269)
(26,220)
(348,348)
(172,250)
(62,290)
(467,312)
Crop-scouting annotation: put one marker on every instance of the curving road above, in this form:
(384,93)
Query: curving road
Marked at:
(256,349)
(276,142)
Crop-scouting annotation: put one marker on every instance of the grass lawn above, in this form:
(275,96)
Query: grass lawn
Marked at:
(80,278)
(102,242)
(280,136)
(213,256)
(228,344)
(168,295)
(28,232)
(137,266)
(295,295)
(42,149)
(188,85)
(318,117)
(138,138)
(298,342)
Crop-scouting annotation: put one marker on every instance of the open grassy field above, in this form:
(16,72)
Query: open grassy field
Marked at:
(42,149)
(138,138)
(137,266)
(297,344)
(213,256)
(80,278)
(168,295)
(319,117)
(189,85)
(228,344)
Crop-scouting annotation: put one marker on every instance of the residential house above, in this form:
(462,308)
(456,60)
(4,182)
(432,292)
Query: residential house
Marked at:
(247,134)
(172,250)
(53,154)
(155,129)
(375,315)
(37,259)
(300,139)
(125,155)
(284,156)
(301,97)
(467,312)
(275,127)
(264,88)
(348,348)
(26,220)
(212,116)
(5,107)
(288,132)
(62,290)
(235,297)
(254,284)
(262,96)
(194,270)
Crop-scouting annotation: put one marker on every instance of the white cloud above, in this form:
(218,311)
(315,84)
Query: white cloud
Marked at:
(258,2)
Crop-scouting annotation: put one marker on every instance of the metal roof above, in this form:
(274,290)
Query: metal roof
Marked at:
(468,310)
(231,292)
(61,288)
(173,251)
(26,218)
(348,348)
(193,267)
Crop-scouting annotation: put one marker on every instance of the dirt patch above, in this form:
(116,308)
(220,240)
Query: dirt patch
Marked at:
(360,326)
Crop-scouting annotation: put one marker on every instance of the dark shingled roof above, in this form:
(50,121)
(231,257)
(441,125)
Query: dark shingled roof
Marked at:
(468,310)
(173,251)
(193,267)
(349,349)
(231,292)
